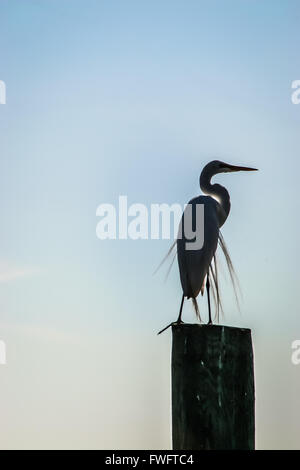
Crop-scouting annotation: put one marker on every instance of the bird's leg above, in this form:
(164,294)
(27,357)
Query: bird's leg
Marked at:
(180,311)
(208,299)
(178,321)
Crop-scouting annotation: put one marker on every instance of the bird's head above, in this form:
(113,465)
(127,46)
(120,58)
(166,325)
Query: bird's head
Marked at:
(216,166)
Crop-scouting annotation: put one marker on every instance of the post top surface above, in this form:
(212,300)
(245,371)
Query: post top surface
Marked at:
(205,326)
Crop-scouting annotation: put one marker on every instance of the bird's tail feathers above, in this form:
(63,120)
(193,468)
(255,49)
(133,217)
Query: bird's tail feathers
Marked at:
(165,259)
(232,273)
(203,287)
(195,305)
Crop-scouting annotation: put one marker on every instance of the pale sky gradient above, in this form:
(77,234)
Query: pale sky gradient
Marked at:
(106,98)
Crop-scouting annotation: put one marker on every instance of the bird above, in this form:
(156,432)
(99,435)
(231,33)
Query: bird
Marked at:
(196,265)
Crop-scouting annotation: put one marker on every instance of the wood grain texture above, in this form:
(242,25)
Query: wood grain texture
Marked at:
(213,403)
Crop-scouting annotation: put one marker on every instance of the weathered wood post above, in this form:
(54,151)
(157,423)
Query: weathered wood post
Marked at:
(212,388)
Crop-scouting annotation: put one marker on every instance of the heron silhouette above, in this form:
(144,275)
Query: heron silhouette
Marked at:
(196,265)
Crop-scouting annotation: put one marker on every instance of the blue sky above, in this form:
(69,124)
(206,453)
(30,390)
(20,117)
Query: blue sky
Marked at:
(134,98)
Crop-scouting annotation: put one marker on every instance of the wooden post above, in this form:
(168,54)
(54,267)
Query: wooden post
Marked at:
(212,388)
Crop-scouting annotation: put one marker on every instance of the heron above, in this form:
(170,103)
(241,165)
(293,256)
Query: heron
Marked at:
(196,265)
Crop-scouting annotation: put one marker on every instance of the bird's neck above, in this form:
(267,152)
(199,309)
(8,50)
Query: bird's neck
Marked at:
(218,192)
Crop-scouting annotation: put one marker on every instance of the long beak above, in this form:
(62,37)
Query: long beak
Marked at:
(241,168)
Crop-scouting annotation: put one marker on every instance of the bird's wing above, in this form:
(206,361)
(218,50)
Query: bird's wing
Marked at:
(194,264)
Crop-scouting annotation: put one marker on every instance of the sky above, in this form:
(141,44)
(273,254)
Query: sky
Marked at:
(109,98)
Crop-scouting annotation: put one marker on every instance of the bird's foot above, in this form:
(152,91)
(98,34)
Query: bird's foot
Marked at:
(177,322)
